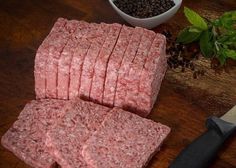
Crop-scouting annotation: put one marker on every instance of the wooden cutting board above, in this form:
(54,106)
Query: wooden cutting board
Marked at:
(184,103)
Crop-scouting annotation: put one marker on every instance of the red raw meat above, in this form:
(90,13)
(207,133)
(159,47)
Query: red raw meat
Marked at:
(26,138)
(41,59)
(101,63)
(78,60)
(114,64)
(56,45)
(133,78)
(152,75)
(66,139)
(104,63)
(129,56)
(124,140)
(65,60)
(90,59)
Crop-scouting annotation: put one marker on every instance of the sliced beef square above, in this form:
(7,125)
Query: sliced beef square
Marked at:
(61,22)
(56,45)
(101,63)
(90,59)
(152,75)
(41,59)
(124,140)
(136,67)
(26,138)
(78,60)
(65,60)
(114,64)
(130,54)
(67,137)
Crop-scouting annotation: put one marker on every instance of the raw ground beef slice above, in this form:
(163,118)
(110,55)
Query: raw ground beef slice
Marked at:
(90,59)
(67,137)
(56,45)
(101,63)
(152,75)
(65,60)
(114,64)
(134,74)
(78,60)
(130,54)
(124,140)
(26,138)
(41,58)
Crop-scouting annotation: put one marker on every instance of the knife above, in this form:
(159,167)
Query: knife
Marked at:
(203,149)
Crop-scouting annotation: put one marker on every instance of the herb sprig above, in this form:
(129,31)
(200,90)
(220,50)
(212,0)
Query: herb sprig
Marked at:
(216,38)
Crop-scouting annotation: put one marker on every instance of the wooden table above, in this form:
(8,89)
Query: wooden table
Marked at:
(183,103)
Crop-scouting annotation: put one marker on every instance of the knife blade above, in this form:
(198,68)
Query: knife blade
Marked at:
(202,150)
(230,116)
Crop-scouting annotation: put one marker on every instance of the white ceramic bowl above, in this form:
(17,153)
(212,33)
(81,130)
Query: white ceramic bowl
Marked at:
(150,22)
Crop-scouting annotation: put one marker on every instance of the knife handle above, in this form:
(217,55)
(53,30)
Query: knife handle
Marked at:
(202,150)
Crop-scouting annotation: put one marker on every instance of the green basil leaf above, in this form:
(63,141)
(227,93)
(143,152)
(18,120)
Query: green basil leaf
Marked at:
(227,38)
(231,33)
(223,39)
(216,22)
(222,57)
(228,20)
(186,36)
(231,54)
(206,44)
(195,19)
(194,29)
(229,15)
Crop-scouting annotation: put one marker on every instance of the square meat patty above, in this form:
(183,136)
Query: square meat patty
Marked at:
(55,46)
(66,139)
(26,138)
(64,63)
(100,68)
(152,75)
(114,64)
(133,77)
(124,140)
(130,54)
(78,60)
(90,59)
(41,59)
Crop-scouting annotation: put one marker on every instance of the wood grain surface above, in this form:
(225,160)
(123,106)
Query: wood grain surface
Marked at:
(184,103)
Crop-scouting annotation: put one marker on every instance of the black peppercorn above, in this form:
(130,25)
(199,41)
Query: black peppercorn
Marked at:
(144,8)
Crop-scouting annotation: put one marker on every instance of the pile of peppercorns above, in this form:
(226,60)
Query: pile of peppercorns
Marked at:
(183,56)
(144,8)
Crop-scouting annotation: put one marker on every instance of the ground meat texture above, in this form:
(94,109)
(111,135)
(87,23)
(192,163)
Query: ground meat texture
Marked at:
(136,67)
(74,129)
(56,45)
(41,58)
(29,149)
(90,59)
(78,60)
(114,64)
(125,66)
(152,75)
(26,138)
(124,140)
(101,63)
(48,110)
(65,60)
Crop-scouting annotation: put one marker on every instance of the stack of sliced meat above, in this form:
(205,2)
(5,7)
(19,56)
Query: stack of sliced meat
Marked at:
(109,64)
(81,134)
